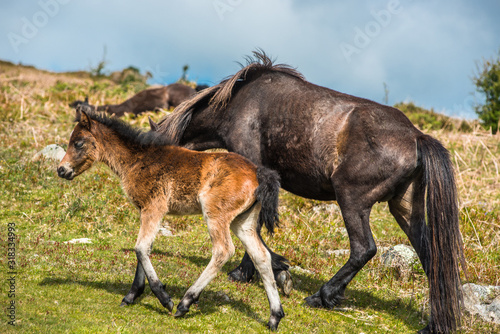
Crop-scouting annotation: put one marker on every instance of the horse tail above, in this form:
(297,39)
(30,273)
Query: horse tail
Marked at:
(267,194)
(446,247)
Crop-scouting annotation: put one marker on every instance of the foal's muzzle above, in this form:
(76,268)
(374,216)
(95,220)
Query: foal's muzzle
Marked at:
(65,172)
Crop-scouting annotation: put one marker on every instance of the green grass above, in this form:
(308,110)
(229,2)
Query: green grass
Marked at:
(77,288)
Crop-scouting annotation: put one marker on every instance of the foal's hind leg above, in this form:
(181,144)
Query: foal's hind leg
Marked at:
(222,251)
(246,269)
(245,229)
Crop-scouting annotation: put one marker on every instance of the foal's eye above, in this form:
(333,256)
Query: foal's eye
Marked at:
(79,144)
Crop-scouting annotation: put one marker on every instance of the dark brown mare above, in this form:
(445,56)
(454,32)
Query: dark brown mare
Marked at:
(229,190)
(147,100)
(327,145)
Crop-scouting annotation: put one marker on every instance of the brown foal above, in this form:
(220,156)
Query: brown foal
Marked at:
(159,178)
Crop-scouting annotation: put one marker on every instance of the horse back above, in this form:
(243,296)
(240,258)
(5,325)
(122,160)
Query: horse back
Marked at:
(305,131)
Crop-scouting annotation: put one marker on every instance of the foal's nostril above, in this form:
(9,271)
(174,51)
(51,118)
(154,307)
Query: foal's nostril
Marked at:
(60,171)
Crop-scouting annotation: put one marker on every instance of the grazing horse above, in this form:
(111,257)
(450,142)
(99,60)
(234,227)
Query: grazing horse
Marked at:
(229,190)
(327,145)
(148,99)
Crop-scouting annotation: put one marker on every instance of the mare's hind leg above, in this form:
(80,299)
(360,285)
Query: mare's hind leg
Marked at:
(408,207)
(222,251)
(363,248)
(245,229)
(150,219)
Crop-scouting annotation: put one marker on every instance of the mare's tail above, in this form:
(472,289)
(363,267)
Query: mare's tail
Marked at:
(446,248)
(267,194)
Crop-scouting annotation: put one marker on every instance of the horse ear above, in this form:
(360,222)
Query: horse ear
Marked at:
(83,119)
(152,125)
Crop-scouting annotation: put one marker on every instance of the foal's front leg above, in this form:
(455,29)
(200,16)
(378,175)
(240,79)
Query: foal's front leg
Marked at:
(147,233)
(137,286)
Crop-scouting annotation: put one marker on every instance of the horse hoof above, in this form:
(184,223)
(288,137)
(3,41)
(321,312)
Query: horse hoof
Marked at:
(123,304)
(272,326)
(237,275)
(180,313)
(314,300)
(284,281)
(425,330)
(169,305)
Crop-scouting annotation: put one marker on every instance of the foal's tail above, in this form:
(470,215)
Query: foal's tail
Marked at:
(446,248)
(267,194)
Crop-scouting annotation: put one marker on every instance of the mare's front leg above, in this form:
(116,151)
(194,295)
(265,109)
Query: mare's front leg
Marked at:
(246,269)
(150,220)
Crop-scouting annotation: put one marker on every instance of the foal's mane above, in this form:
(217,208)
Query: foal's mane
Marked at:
(218,97)
(132,136)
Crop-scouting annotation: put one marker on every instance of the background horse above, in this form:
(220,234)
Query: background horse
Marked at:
(230,191)
(327,145)
(146,100)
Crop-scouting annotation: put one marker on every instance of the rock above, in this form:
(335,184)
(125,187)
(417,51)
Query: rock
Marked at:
(222,295)
(400,258)
(301,270)
(326,208)
(53,151)
(399,255)
(79,241)
(165,232)
(338,252)
(483,301)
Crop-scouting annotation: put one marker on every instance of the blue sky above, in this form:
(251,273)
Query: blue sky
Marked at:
(424,51)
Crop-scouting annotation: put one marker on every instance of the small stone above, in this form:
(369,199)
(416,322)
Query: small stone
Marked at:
(301,270)
(400,258)
(399,255)
(338,252)
(326,208)
(79,241)
(165,232)
(223,296)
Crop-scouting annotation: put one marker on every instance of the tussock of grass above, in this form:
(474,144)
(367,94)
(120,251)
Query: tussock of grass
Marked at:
(78,287)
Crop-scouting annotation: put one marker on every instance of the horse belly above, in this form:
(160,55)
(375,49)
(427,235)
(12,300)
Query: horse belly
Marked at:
(313,188)
(181,208)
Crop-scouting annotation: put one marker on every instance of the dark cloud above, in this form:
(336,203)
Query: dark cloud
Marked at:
(424,51)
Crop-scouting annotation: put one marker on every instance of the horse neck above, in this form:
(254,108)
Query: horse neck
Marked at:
(114,152)
(202,131)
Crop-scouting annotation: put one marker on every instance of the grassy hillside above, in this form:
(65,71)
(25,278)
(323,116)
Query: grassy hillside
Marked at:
(427,119)
(77,288)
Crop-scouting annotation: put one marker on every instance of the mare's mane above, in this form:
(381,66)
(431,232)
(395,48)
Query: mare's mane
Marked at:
(131,136)
(218,97)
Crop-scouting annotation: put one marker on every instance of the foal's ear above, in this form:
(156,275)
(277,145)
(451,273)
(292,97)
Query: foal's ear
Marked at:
(152,125)
(83,119)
